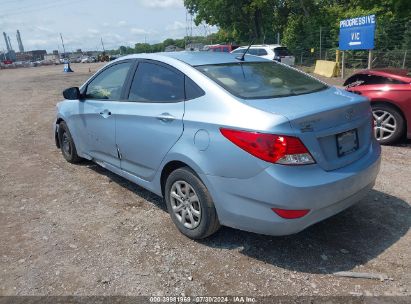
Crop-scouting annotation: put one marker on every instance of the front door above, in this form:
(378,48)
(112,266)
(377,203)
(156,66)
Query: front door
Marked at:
(95,125)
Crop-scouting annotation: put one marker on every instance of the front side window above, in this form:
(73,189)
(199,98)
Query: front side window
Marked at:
(109,83)
(258,80)
(155,83)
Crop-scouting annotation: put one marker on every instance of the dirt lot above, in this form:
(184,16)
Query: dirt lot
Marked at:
(80,230)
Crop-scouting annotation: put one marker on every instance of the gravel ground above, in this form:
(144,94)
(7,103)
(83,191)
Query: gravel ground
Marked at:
(80,230)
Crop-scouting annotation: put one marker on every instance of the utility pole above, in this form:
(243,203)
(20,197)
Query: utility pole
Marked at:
(278,38)
(64,48)
(102,44)
(343,65)
(320,41)
(369,59)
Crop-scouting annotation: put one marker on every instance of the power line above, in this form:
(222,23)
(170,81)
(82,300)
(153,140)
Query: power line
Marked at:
(19,11)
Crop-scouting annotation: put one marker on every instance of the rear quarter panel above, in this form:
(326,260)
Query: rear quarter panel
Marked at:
(398,95)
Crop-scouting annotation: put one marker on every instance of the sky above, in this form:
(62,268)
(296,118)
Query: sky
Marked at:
(84,22)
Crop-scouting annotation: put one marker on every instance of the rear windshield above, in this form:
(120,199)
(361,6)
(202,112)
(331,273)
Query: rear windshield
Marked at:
(281,51)
(252,80)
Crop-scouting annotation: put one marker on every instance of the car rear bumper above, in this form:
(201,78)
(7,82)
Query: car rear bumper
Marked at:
(246,203)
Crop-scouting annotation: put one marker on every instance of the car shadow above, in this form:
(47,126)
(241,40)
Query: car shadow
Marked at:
(405,142)
(342,242)
(130,186)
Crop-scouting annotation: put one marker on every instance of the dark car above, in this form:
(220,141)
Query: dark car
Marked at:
(389,91)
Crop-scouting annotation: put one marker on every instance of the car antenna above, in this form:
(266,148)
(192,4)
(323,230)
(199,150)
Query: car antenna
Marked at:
(241,58)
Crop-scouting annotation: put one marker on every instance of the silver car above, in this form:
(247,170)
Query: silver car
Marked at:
(243,142)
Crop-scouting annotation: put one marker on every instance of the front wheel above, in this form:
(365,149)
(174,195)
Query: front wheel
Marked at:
(190,205)
(388,124)
(68,149)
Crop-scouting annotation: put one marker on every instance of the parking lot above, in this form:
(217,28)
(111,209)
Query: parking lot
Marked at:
(80,230)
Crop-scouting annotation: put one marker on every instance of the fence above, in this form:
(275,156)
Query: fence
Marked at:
(359,59)
(392,47)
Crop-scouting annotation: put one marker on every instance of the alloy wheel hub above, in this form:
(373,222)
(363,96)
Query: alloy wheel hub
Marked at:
(185,204)
(385,124)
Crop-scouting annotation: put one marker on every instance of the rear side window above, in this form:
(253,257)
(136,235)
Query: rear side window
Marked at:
(108,85)
(258,80)
(192,90)
(262,52)
(156,83)
(253,52)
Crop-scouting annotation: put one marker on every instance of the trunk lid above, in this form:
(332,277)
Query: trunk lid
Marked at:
(321,119)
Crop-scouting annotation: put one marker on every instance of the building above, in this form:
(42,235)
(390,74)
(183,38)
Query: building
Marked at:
(93,53)
(52,57)
(36,55)
(23,56)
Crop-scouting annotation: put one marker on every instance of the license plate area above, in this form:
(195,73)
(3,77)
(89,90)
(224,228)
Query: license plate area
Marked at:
(347,142)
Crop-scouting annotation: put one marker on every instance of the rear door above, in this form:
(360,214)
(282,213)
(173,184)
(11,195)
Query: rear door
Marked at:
(151,120)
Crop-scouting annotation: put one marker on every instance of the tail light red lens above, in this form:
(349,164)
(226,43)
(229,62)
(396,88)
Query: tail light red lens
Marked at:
(290,214)
(286,150)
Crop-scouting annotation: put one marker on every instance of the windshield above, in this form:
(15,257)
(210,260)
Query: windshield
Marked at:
(252,80)
(238,51)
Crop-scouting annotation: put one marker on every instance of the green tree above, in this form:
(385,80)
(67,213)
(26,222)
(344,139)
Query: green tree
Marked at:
(299,21)
(142,48)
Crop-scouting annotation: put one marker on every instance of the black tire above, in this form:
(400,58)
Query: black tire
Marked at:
(67,146)
(208,221)
(397,119)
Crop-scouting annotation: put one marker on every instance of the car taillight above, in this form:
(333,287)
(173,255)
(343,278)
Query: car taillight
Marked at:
(279,149)
(290,214)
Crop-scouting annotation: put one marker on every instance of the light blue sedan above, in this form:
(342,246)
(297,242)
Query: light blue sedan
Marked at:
(242,142)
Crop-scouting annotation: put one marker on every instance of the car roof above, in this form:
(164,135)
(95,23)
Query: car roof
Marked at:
(271,46)
(400,74)
(196,58)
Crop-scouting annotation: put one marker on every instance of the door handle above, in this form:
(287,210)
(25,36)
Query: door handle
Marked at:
(165,117)
(106,113)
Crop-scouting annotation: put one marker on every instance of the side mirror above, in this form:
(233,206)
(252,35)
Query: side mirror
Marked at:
(72,93)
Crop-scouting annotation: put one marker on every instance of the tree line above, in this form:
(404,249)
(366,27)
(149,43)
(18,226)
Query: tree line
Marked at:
(300,24)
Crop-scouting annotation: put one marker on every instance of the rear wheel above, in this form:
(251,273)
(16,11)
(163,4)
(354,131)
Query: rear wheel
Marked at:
(389,124)
(190,205)
(67,146)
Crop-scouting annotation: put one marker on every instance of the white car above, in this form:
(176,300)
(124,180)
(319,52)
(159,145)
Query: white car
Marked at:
(269,51)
